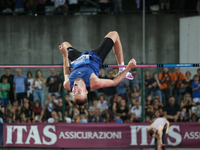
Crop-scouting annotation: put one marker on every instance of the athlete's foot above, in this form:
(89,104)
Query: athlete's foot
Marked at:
(128,76)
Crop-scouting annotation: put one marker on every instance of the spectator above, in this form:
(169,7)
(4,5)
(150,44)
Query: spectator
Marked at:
(58,108)
(105,6)
(149,101)
(19,6)
(148,119)
(54,100)
(194,118)
(1,113)
(186,85)
(76,117)
(122,111)
(165,78)
(29,84)
(26,100)
(154,86)
(67,118)
(25,109)
(176,80)
(54,118)
(123,87)
(49,106)
(136,112)
(147,80)
(198,70)
(116,103)
(60,6)
(186,105)
(136,94)
(6,7)
(132,103)
(197,110)
(73,6)
(102,103)
(157,114)
(40,8)
(136,80)
(115,72)
(171,110)
(23,118)
(15,110)
(37,113)
(108,116)
(10,78)
(157,106)
(54,83)
(101,76)
(38,84)
(96,117)
(9,118)
(83,114)
(20,82)
(109,91)
(117,118)
(68,104)
(118,6)
(94,106)
(15,106)
(196,89)
(29,7)
(4,89)
(182,117)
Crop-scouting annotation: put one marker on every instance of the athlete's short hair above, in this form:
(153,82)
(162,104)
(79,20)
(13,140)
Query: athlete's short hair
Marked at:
(151,132)
(81,102)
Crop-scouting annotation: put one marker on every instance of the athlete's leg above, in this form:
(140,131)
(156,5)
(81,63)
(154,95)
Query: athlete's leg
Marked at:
(164,137)
(72,53)
(117,48)
(112,40)
(156,144)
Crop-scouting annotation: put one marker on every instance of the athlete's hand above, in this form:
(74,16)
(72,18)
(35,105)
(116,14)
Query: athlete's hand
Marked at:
(63,49)
(131,64)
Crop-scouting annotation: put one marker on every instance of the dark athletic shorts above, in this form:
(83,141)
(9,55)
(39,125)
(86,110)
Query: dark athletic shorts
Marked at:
(102,50)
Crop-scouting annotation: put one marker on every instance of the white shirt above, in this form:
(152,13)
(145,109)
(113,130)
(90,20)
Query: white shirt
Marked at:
(30,86)
(50,106)
(58,2)
(38,84)
(136,111)
(104,105)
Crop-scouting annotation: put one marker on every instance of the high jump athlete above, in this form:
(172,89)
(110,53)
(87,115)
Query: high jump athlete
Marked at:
(86,66)
(158,130)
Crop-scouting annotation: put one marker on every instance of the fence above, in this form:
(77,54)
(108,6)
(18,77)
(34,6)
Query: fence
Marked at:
(181,135)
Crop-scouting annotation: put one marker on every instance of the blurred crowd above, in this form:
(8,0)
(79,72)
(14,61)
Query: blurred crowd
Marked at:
(100,6)
(174,95)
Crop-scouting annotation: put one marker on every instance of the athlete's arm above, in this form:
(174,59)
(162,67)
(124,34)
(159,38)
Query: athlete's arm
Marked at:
(167,127)
(101,83)
(66,66)
(150,127)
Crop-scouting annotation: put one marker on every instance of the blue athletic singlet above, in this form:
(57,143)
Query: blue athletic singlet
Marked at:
(88,63)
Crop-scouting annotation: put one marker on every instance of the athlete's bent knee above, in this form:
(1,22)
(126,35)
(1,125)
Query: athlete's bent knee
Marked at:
(67,44)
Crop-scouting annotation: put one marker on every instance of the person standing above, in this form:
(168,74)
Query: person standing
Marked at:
(4,89)
(29,88)
(10,78)
(165,78)
(158,130)
(20,83)
(54,83)
(38,84)
(176,80)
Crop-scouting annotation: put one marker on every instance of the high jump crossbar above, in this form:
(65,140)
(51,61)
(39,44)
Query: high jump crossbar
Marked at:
(103,66)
